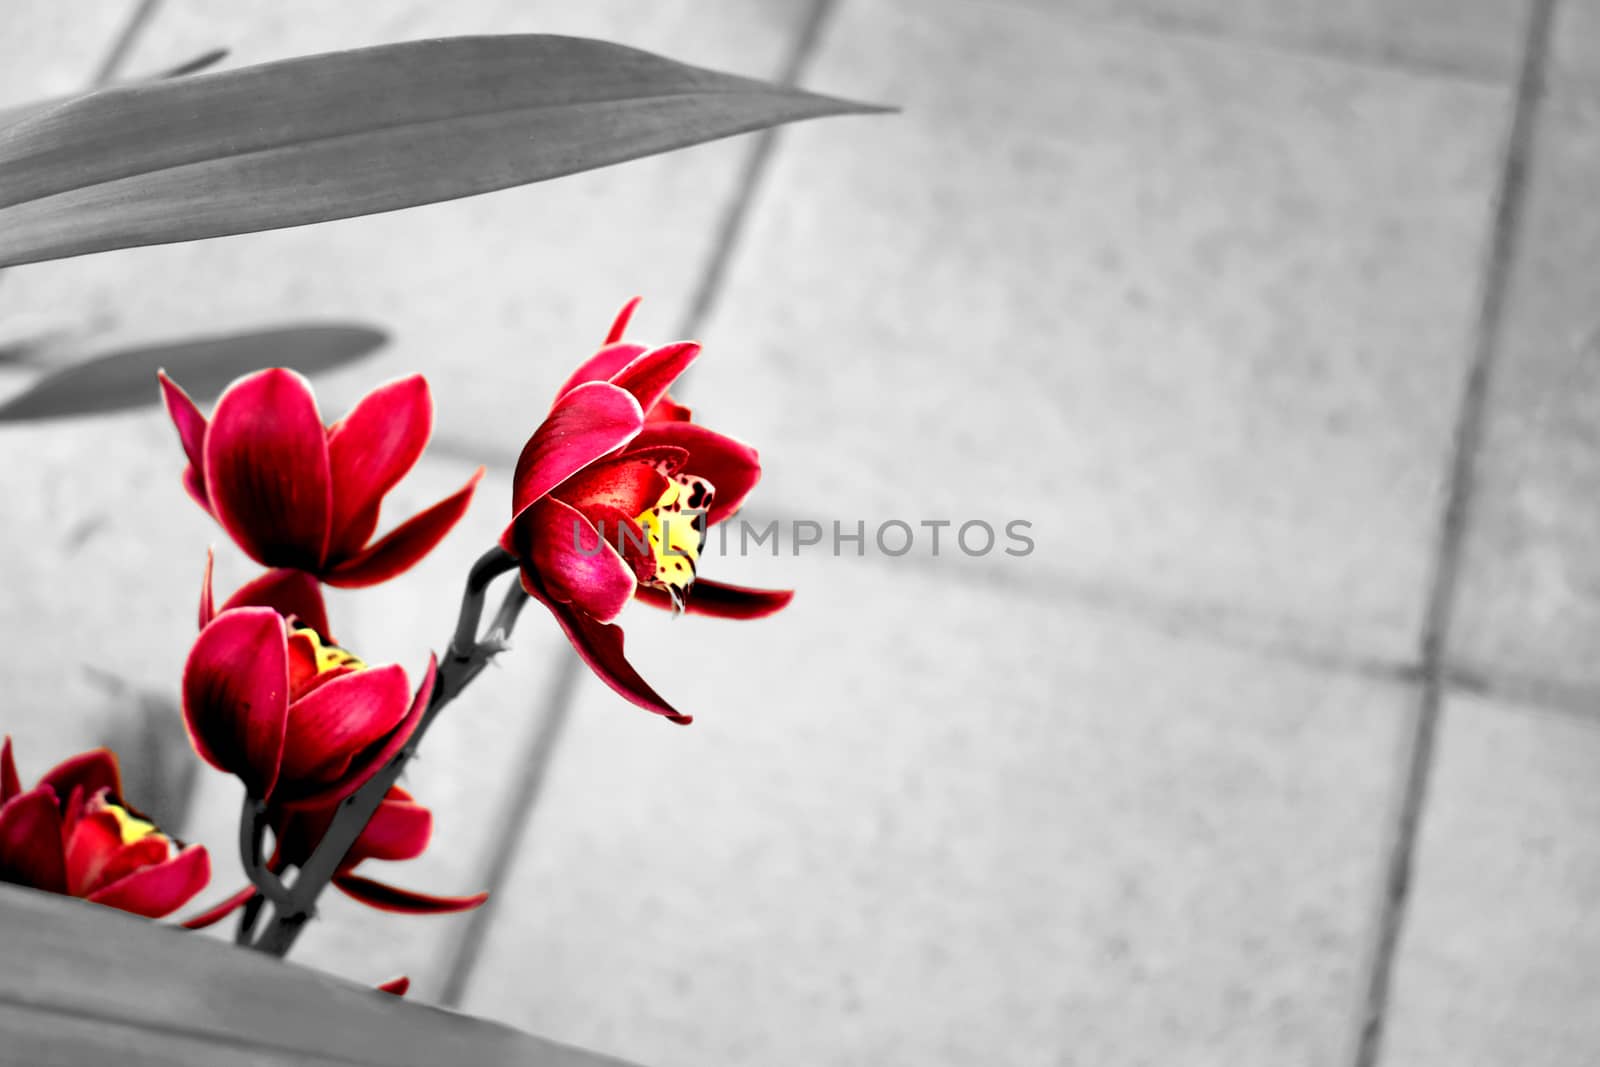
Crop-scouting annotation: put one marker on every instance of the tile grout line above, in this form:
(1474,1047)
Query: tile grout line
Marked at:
(751,177)
(1348,54)
(1460,486)
(510,822)
(542,749)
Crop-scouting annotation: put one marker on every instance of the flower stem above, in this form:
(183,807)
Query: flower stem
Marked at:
(464,660)
(247,920)
(252,825)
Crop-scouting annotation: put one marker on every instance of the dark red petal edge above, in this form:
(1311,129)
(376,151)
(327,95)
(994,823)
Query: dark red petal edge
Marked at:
(619,326)
(232,667)
(217,912)
(718,600)
(267,470)
(10,784)
(208,603)
(288,592)
(191,426)
(161,889)
(369,451)
(90,771)
(600,646)
(371,762)
(30,841)
(404,546)
(407,901)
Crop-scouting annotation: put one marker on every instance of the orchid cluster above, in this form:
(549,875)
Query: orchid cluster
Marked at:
(611,498)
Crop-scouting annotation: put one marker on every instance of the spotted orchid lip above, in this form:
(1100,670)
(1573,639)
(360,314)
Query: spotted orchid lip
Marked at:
(71,834)
(604,456)
(293,493)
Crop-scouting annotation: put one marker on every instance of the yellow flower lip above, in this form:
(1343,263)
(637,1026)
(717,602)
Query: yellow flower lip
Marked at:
(675,527)
(130,827)
(328,656)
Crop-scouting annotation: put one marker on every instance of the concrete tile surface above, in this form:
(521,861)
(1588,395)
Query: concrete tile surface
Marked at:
(102,575)
(1200,313)
(1575,47)
(56,47)
(1479,39)
(1189,285)
(919,822)
(1500,954)
(1530,583)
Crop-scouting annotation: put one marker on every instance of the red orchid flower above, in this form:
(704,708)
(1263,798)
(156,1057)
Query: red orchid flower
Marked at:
(618,453)
(294,493)
(73,834)
(398,830)
(269,697)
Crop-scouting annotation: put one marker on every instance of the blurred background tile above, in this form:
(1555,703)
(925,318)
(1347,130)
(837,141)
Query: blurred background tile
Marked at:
(1499,957)
(55,47)
(942,825)
(1471,38)
(1575,46)
(1530,584)
(1201,314)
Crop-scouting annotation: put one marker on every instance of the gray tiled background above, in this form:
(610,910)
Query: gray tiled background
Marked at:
(1280,321)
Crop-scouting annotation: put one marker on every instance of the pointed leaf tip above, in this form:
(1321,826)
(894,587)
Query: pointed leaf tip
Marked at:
(333,136)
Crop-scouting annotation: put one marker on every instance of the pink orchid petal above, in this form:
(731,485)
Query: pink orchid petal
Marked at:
(721,601)
(236,695)
(89,771)
(631,483)
(191,426)
(369,451)
(335,721)
(732,467)
(30,841)
(620,325)
(585,425)
(267,472)
(290,593)
(219,911)
(600,647)
(668,410)
(194,484)
(160,889)
(601,366)
(371,761)
(208,602)
(384,897)
(405,546)
(649,376)
(96,856)
(10,783)
(557,543)
(626,536)
(399,830)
